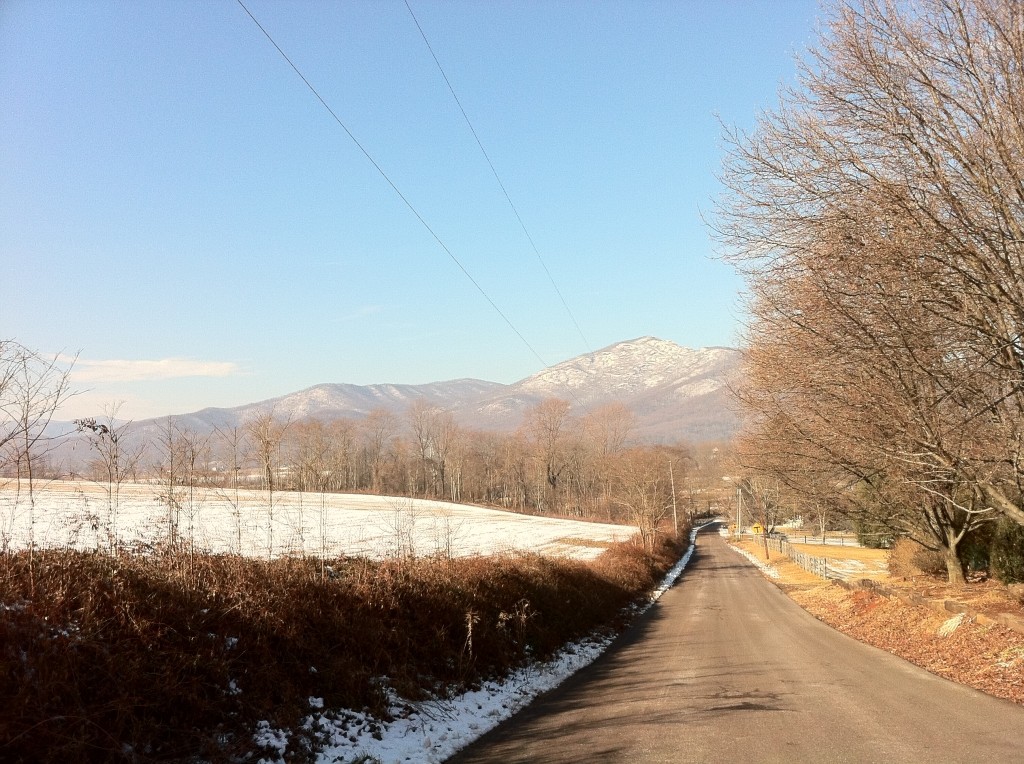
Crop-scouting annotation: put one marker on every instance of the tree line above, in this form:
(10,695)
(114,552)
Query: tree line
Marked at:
(556,463)
(877,216)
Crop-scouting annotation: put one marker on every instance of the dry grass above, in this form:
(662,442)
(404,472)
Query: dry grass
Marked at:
(851,562)
(989,658)
(576,541)
(860,554)
(167,659)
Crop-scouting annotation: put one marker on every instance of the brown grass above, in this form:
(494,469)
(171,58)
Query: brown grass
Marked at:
(136,658)
(861,554)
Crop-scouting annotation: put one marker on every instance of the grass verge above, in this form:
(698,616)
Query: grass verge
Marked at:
(173,658)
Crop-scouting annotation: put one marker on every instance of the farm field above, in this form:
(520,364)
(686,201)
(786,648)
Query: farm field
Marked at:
(846,562)
(850,561)
(78,515)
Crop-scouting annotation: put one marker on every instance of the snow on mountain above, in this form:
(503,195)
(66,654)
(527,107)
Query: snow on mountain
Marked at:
(630,368)
(675,393)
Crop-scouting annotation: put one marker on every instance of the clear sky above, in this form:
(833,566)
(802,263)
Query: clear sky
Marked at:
(181,211)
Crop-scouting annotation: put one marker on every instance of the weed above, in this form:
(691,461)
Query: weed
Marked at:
(174,656)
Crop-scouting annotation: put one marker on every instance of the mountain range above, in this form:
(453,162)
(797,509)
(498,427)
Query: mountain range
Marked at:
(675,393)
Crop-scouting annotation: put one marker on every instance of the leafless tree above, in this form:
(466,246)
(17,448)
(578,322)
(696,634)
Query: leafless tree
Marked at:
(643,489)
(233,444)
(548,426)
(114,462)
(435,436)
(378,432)
(265,435)
(32,389)
(877,217)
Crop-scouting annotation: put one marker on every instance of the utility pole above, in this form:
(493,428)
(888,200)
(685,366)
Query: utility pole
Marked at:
(739,512)
(675,516)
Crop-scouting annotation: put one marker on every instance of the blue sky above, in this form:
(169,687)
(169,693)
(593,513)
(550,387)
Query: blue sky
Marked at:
(177,208)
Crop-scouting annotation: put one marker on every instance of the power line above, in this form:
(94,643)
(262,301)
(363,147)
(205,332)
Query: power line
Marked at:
(496,176)
(391,183)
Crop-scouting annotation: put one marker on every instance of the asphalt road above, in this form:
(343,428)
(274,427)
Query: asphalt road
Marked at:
(726,668)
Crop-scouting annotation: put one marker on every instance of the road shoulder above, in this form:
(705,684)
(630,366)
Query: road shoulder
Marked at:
(969,649)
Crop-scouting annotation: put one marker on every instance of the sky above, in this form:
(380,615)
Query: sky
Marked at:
(182,214)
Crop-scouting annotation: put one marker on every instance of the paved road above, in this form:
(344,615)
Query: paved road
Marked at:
(726,668)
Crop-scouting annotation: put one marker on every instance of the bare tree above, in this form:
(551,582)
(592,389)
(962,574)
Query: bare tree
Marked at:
(233,445)
(643,489)
(378,433)
(265,434)
(548,425)
(114,462)
(876,215)
(32,390)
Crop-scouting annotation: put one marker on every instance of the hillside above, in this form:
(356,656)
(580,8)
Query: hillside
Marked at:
(675,393)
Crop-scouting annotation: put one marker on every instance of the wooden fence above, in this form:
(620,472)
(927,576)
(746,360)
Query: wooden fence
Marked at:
(816,565)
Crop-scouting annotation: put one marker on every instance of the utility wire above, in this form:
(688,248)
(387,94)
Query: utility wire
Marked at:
(496,177)
(391,183)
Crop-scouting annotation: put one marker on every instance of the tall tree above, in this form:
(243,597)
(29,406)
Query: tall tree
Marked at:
(32,389)
(548,426)
(265,434)
(877,217)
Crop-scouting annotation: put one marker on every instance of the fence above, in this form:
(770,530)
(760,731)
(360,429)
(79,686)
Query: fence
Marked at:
(816,565)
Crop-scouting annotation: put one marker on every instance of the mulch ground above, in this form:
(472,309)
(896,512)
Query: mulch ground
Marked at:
(988,658)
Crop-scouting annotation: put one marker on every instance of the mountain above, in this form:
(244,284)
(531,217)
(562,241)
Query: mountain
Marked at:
(675,393)
(333,401)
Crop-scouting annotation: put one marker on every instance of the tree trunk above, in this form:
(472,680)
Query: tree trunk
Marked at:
(954,567)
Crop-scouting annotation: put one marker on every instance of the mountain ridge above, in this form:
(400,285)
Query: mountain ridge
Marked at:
(674,392)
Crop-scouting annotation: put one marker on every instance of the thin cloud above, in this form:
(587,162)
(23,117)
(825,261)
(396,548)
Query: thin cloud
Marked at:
(86,370)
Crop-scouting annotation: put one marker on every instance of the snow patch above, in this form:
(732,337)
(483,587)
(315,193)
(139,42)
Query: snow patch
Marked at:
(765,568)
(428,732)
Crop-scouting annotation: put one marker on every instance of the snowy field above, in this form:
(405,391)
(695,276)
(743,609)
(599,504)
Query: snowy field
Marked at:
(79,515)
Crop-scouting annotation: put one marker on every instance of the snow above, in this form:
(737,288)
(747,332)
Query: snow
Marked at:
(629,368)
(427,732)
(431,731)
(77,515)
(765,568)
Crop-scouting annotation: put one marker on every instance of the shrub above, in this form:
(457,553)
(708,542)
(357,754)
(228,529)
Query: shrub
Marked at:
(901,558)
(176,658)
(908,559)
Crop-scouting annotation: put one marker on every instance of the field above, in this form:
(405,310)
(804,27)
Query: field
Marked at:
(405,649)
(79,515)
(844,561)
(850,561)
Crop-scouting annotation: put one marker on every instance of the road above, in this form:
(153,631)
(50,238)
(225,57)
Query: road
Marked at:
(726,668)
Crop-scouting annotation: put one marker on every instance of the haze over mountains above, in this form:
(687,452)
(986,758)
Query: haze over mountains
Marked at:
(675,393)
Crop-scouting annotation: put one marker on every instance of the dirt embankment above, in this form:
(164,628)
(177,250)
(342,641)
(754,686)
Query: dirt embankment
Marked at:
(954,633)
